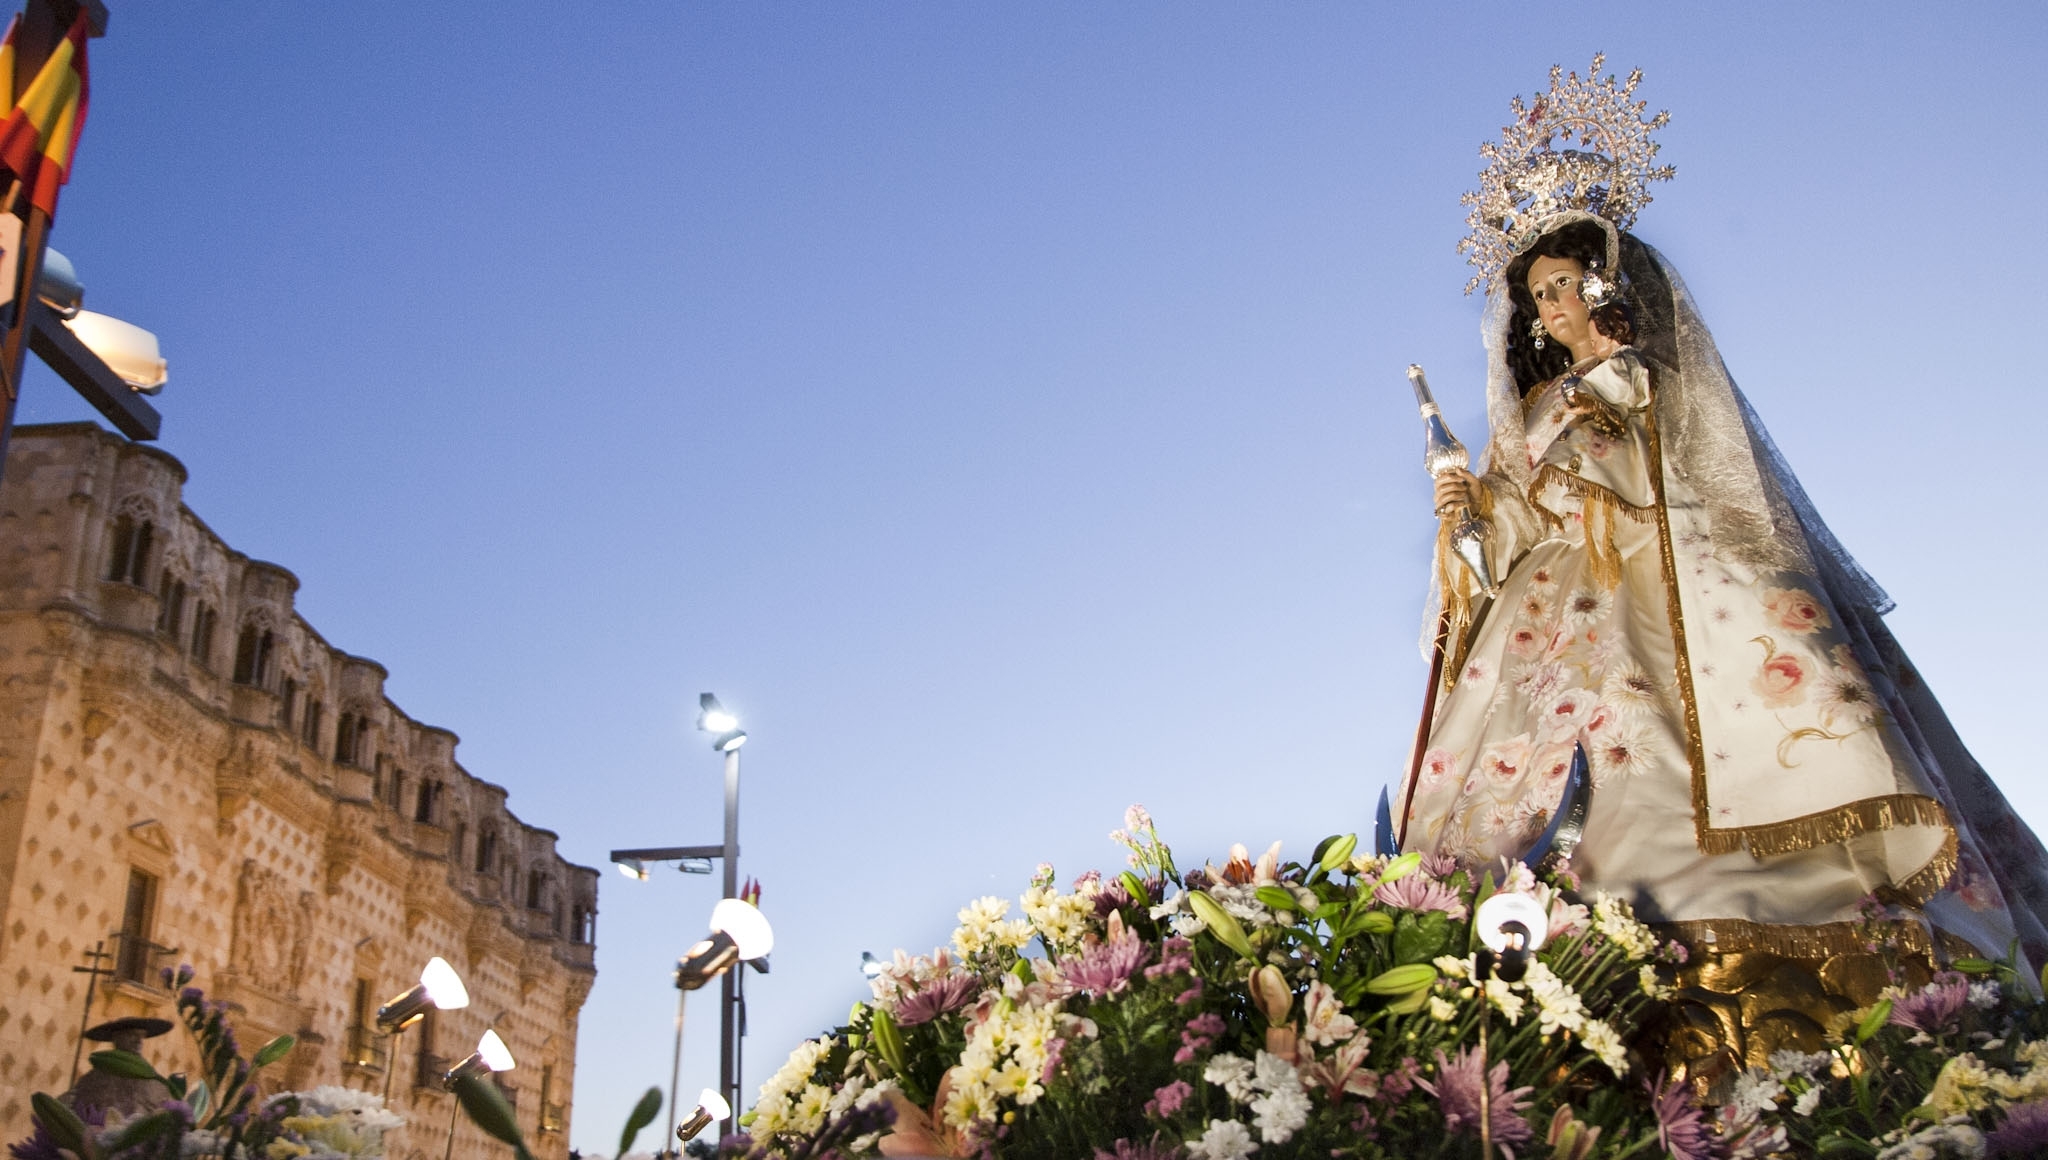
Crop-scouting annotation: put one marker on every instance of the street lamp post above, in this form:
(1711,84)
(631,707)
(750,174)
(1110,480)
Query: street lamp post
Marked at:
(726,738)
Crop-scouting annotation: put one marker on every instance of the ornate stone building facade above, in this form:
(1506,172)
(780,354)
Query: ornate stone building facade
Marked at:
(190,773)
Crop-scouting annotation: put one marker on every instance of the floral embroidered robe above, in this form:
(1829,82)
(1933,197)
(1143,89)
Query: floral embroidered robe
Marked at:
(1760,763)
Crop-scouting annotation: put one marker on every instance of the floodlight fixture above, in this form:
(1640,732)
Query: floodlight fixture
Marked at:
(491,1056)
(633,868)
(712,718)
(870,966)
(128,350)
(739,933)
(58,285)
(1513,927)
(694,865)
(710,1106)
(439,986)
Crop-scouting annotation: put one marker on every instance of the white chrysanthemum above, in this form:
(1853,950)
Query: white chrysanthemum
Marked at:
(1504,999)
(1062,920)
(1755,1094)
(1940,1142)
(1279,1114)
(1808,1100)
(1232,1073)
(978,920)
(1558,1007)
(1605,1045)
(1651,984)
(1441,1009)
(1613,919)
(773,1108)
(1786,1063)
(1224,1140)
(1984,994)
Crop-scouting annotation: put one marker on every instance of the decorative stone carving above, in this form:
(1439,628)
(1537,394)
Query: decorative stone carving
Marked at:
(272,928)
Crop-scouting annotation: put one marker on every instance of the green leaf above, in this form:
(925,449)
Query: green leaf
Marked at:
(1418,938)
(488,1110)
(1877,1018)
(176,1082)
(272,1051)
(61,1123)
(1220,922)
(1276,897)
(1401,980)
(144,1128)
(643,1115)
(1339,853)
(200,1099)
(125,1064)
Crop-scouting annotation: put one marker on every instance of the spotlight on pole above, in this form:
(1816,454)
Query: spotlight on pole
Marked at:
(1513,927)
(726,734)
(633,868)
(870,966)
(710,1106)
(491,1056)
(439,986)
(738,933)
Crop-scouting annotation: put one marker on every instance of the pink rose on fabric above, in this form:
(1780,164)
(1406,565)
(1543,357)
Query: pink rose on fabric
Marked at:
(1438,764)
(1795,610)
(1568,711)
(1505,760)
(1781,681)
(1524,642)
(1551,763)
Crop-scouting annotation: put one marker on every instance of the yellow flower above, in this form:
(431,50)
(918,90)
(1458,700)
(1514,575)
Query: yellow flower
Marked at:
(1962,1087)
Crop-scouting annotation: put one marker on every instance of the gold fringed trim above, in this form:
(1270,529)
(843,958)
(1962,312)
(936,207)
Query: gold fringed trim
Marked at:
(1927,881)
(1827,827)
(1460,589)
(1695,753)
(1740,936)
(1586,490)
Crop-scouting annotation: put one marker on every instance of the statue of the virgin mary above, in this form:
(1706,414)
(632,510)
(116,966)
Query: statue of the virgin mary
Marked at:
(1767,770)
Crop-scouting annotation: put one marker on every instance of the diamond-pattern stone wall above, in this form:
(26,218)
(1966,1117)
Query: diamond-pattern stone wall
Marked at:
(283,877)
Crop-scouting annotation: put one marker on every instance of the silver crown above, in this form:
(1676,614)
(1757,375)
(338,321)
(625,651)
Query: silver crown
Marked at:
(1527,180)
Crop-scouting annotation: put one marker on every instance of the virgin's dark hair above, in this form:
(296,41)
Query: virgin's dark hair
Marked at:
(1582,242)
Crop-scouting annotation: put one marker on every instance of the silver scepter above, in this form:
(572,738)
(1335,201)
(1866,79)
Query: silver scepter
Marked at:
(1442,452)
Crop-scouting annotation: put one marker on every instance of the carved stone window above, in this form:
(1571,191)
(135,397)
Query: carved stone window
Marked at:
(428,804)
(252,656)
(128,562)
(170,605)
(204,621)
(310,727)
(287,703)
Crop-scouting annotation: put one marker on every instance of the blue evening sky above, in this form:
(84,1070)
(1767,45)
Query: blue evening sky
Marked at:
(1000,405)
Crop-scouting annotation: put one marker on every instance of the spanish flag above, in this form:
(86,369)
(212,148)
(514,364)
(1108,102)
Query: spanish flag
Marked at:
(40,133)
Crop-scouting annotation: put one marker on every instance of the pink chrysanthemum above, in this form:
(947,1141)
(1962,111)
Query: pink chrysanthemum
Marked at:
(935,998)
(1933,1008)
(1105,968)
(1681,1127)
(1456,1089)
(1419,892)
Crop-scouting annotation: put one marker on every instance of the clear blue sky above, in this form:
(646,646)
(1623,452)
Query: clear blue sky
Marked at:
(999,405)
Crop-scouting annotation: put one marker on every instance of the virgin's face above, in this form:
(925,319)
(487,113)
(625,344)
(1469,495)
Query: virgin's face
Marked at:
(1554,284)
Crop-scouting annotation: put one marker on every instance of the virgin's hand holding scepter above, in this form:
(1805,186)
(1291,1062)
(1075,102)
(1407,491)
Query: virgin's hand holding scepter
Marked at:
(1445,460)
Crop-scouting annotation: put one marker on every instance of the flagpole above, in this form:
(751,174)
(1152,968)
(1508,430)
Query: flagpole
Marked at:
(44,23)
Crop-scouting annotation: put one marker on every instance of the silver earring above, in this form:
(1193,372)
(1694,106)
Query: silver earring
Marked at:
(1537,332)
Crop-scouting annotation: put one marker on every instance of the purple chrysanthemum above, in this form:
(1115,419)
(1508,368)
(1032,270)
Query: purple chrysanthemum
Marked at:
(1457,1095)
(1419,892)
(1152,1149)
(1681,1127)
(1439,865)
(1105,968)
(1933,1008)
(1175,954)
(936,997)
(2023,1132)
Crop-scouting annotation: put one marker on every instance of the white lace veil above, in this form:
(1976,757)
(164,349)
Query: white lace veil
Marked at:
(1712,440)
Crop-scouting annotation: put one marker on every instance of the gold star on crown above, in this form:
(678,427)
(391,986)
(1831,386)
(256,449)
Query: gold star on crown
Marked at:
(1527,179)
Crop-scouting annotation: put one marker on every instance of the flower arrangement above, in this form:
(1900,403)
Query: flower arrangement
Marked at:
(219,1113)
(1331,1008)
